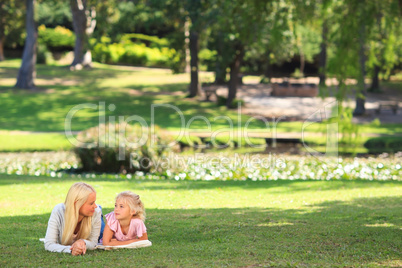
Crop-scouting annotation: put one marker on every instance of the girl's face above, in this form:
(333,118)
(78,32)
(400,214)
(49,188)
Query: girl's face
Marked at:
(88,208)
(122,210)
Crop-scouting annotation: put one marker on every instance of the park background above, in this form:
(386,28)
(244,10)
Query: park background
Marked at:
(265,175)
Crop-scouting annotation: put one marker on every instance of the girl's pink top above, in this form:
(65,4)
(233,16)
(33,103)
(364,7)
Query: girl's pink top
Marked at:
(136,229)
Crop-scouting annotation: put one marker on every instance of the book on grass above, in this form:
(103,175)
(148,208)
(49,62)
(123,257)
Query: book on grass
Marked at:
(138,244)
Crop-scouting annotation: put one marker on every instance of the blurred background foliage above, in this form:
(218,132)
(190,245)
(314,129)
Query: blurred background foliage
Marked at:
(287,35)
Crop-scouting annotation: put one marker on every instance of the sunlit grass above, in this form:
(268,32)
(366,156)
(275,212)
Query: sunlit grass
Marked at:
(22,141)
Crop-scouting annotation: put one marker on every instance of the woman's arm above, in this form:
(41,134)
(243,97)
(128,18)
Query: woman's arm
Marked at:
(54,230)
(78,247)
(108,241)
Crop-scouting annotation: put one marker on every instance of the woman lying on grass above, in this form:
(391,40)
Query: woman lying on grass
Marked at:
(125,224)
(74,226)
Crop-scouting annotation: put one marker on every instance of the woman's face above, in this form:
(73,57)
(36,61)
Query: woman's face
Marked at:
(88,208)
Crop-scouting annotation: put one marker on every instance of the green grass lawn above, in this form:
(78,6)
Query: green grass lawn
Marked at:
(209,224)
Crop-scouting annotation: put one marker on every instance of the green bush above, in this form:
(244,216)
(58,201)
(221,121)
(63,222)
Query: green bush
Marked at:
(384,145)
(56,39)
(149,41)
(123,148)
(106,52)
(134,53)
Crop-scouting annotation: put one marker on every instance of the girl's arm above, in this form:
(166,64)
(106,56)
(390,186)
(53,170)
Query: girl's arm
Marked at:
(108,241)
(107,236)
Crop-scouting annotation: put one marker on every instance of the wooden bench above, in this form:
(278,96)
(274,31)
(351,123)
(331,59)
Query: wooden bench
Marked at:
(295,89)
(210,91)
(393,105)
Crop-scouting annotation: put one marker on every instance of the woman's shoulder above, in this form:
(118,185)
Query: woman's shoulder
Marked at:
(98,212)
(59,208)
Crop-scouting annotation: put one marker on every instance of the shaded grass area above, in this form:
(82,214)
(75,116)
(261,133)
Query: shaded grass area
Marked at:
(208,224)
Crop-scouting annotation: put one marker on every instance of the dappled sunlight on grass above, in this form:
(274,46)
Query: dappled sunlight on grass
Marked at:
(381,225)
(271,224)
(132,90)
(8,82)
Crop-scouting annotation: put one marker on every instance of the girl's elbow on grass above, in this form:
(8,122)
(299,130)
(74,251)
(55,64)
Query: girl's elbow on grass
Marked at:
(107,236)
(143,237)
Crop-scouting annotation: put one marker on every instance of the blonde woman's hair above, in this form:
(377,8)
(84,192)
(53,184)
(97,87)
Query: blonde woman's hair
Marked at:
(76,197)
(134,202)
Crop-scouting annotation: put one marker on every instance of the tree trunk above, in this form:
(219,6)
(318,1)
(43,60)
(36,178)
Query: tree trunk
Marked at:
(220,66)
(26,74)
(84,23)
(187,68)
(2,30)
(361,88)
(375,84)
(2,38)
(220,73)
(195,88)
(234,76)
(268,68)
(301,55)
(302,63)
(323,55)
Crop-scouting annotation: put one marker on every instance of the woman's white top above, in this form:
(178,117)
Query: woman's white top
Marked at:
(55,229)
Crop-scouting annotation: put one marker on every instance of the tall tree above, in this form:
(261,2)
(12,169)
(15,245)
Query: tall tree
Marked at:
(385,41)
(26,74)
(84,22)
(243,22)
(200,14)
(323,54)
(194,13)
(191,18)
(361,85)
(324,16)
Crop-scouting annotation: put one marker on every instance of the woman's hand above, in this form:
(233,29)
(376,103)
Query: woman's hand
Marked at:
(78,248)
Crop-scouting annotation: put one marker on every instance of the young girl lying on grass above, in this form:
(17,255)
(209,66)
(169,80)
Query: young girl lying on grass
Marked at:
(125,224)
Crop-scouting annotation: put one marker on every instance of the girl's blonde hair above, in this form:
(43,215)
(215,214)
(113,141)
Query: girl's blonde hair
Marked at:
(134,202)
(76,197)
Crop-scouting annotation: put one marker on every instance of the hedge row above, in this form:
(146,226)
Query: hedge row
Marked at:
(132,49)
